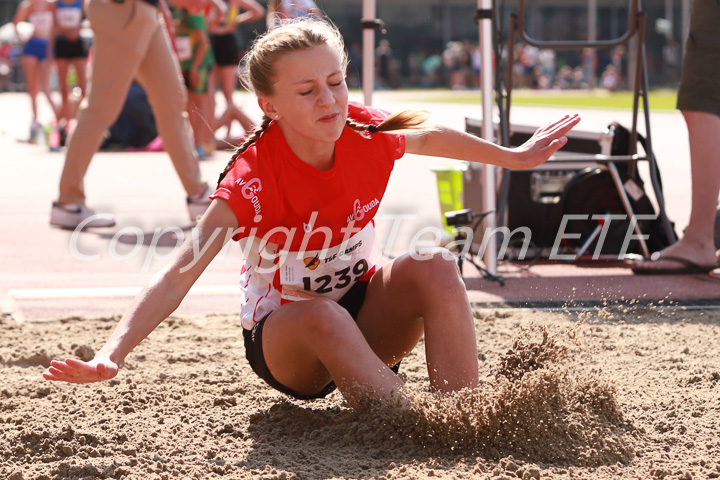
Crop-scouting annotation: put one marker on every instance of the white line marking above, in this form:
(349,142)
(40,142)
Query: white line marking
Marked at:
(97,292)
(10,307)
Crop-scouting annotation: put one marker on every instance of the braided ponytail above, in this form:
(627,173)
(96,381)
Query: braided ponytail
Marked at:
(259,75)
(245,145)
(406,120)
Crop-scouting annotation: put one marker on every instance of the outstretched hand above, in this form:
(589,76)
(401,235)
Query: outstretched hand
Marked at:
(544,143)
(76,371)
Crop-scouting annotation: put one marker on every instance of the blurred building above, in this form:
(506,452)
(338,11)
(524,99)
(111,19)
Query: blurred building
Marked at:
(420,31)
(426,27)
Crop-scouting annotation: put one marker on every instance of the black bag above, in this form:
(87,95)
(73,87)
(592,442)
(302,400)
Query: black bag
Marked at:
(593,190)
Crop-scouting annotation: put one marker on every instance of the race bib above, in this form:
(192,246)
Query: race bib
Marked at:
(183,45)
(42,21)
(68,17)
(329,273)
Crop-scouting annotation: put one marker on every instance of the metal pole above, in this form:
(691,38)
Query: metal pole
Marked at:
(368,71)
(686,12)
(486,88)
(592,36)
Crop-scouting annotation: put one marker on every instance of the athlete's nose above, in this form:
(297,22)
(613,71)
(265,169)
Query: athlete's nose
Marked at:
(325,96)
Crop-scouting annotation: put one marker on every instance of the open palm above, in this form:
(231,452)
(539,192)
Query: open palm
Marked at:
(544,143)
(77,371)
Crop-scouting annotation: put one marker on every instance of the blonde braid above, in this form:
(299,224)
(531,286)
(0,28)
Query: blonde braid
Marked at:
(401,121)
(245,145)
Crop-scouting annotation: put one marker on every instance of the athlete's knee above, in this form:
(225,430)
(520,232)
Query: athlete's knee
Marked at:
(434,267)
(325,319)
(696,118)
(180,100)
(95,115)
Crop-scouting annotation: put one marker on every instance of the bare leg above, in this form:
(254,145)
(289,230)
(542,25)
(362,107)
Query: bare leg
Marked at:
(200,119)
(62,71)
(426,294)
(697,244)
(704,131)
(212,87)
(30,67)
(44,70)
(80,65)
(245,121)
(228,82)
(307,344)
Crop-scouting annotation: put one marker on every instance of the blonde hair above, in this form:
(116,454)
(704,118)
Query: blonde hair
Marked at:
(294,35)
(259,75)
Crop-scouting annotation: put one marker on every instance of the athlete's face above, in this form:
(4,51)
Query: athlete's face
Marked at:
(310,97)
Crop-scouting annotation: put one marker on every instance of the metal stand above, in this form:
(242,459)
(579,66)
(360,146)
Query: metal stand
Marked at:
(485,19)
(636,29)
(460,238)
(465,217)
(369,24)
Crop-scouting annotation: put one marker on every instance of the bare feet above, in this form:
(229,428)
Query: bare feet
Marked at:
(679,256)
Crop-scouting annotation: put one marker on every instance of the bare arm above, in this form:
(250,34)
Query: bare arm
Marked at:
(450,143)
(253,11)
(69,33)
(216,16)
(157,300)
(203,44)
(202,48)
(21,14)
(315,11)
(167,19)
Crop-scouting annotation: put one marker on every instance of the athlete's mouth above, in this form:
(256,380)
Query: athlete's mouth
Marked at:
(329,118)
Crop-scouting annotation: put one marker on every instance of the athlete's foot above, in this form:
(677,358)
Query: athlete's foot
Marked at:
(668,258)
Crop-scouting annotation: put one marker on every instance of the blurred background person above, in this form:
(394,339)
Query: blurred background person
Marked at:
(699,102)
(192,44)
(223,26)
(70,51)
(279,10)
(130,43)
(37,54)
(386,71)
(5,67)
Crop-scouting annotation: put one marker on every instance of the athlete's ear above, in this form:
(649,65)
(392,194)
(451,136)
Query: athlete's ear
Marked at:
(267,106)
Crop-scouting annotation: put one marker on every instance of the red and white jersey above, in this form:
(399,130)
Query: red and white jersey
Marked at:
(306,232)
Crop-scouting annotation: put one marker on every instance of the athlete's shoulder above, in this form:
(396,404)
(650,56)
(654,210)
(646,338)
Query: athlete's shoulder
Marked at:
(365,114)
(258,160)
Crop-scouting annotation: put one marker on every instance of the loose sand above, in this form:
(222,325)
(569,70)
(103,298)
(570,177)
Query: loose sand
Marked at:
(624,392)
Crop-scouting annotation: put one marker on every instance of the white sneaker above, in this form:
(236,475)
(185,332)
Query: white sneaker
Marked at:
(198,204)
(36,132)
(73,215)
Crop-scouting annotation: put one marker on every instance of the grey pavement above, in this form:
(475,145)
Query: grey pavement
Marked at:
(47,272)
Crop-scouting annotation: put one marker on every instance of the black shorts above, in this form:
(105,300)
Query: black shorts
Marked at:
(69,49)
(352,301)
(699,87)
(225,49)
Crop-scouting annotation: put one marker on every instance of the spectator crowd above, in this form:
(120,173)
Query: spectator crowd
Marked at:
(201,31)
(457,67)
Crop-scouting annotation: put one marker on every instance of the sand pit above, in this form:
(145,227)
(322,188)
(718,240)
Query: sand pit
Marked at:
(625,392)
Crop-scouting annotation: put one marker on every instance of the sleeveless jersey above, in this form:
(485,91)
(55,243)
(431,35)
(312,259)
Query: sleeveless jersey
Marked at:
(305,232)
(227,13)
(296,8)
(288,9)
(188,28)
(68,15)
(42,21)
